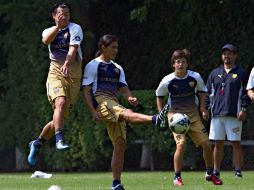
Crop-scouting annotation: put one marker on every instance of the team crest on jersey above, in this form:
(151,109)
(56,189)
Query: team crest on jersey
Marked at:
(234,76)
(56,90)
(77,38)
(219,76)
(65,35)
(192,84)
(117,70)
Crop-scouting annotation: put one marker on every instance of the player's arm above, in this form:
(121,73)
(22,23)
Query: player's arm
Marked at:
(203,110)
(89,103)
(251,94)
(49,34)
(69,59)
(160,102)
(128,96)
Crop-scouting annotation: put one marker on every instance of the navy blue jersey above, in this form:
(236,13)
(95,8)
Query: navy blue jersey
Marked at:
(227,91)
(182,91)
(105,78)
(59,47)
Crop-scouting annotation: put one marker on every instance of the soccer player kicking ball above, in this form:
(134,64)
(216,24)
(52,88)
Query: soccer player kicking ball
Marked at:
(103,80)
(63,82)
(182,87)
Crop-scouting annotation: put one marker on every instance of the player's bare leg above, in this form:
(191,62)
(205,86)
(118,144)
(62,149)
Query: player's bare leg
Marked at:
(48,131)
(237,157)
(178,162)
(218,154)
(58,121)
(136,118)
(117,161)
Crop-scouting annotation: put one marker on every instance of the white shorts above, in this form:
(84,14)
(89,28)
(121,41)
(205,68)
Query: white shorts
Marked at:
(225,126)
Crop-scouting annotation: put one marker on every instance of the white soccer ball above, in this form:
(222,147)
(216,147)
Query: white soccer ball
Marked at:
(179,123)
(54,187)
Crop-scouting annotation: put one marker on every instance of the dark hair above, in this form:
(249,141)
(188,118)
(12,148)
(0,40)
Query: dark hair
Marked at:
(183,53)
(105,40)
(61,5)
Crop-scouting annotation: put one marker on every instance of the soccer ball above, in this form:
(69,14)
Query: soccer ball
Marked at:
(179,123)
(54,187)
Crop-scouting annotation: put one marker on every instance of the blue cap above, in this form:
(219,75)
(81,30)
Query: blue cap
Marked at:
(229,47)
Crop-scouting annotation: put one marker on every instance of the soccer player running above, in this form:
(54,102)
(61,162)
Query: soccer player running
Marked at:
(183,88)
(64,77)
(102,81)
(228,102)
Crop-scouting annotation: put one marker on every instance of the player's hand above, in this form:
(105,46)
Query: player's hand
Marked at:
(96,116)
(205,114)
(241,116)
(133,101)
(60,20)
(65,69)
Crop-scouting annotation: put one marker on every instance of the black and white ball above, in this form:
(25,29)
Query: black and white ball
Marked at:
(179,123)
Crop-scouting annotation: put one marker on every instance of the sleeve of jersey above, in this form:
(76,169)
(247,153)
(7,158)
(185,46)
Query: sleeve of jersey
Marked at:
(209,87)
(90,74)
(45,32)
(245,99)
(162,89)
(76,35)
(122,81)
(200,84)
(250,84)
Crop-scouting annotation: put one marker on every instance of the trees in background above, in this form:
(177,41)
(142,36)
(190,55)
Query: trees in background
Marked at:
(149,31)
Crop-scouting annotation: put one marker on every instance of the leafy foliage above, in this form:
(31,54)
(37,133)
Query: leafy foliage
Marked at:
(149,31)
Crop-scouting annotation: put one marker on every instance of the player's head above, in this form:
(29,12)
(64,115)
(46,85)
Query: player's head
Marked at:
(180,56)
(61,10)
(108,47)
(228,54)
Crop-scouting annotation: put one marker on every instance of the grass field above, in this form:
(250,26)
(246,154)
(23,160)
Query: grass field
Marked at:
(131,181)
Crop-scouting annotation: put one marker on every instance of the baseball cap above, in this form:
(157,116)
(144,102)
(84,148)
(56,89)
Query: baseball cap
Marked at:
(229,47)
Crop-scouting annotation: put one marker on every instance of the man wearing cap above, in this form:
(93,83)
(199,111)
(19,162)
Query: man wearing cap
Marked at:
(227,102)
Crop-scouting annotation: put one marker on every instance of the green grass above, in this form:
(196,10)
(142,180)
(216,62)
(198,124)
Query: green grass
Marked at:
(131,181)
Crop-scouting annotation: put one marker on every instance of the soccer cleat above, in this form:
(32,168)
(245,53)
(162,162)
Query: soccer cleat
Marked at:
(32,154)
(178,181)
(238,174)
(118,187)
(61,146)
(213,178)
(161,118)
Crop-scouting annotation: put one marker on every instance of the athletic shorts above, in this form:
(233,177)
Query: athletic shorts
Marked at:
(197,131)
(58,85)
(110,110)
(225,126)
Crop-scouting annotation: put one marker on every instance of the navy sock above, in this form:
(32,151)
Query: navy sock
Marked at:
(177,174)
(154,119)
(59,135)
(116,182)
(38,142)
(209,170)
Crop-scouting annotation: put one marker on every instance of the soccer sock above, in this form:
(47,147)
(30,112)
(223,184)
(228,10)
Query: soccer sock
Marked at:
(209,170)
(154,118)
(59,135)
(116,182)
(177,174)
(216,172)
(38,142)
(238,171)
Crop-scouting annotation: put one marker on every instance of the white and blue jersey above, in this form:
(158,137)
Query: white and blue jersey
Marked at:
(182,91)
(250,84)
(105,78)
(59,47)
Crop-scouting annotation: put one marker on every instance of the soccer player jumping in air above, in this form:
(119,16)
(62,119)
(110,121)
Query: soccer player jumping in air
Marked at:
(63,82)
